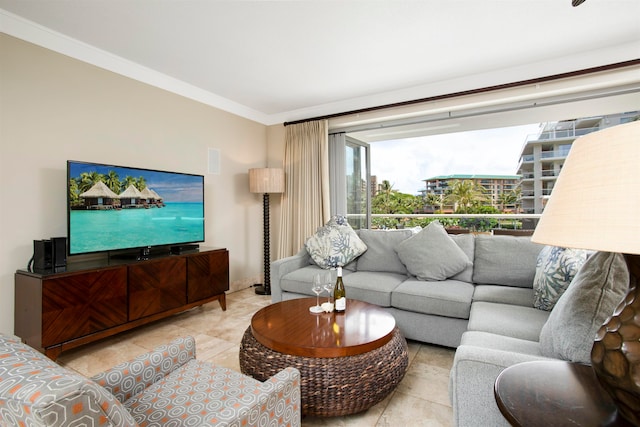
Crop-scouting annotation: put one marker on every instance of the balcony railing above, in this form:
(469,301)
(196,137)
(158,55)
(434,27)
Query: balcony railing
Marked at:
(561,134)
(555,153)
(474,222)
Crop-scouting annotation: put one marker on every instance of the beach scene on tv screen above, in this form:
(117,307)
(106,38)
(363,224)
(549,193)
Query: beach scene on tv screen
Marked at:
(114,208)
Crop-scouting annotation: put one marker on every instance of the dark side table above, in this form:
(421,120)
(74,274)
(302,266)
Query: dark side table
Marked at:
(554,393)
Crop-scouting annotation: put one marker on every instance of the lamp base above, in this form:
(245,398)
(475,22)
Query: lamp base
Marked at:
(616,352)
(261,290)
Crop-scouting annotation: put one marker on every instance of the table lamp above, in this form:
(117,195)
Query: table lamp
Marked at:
(595,204)
(266,181)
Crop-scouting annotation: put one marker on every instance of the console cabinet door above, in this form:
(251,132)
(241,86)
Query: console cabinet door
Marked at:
(156,286)
(83,303)
(207,275)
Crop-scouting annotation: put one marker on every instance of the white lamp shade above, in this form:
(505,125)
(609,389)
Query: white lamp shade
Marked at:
(266,180)
(595,203)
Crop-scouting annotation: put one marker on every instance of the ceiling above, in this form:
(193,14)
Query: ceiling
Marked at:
(277,61)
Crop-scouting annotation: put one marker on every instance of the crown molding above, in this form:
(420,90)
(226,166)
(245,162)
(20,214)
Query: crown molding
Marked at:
(39,35)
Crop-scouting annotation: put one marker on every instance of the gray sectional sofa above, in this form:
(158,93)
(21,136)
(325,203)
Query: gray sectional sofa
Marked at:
(439,312)
(486,310)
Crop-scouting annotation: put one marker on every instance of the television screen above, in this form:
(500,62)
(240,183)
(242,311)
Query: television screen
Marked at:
(115,207)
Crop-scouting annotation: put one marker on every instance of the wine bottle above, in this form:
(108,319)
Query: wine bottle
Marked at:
(339,296)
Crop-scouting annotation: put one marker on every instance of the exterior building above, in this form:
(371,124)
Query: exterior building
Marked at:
(543,155)
(494,186)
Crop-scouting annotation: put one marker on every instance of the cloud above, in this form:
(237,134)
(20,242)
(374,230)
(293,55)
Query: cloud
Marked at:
(406,163)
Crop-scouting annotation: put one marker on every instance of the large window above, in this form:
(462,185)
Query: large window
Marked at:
(595,94)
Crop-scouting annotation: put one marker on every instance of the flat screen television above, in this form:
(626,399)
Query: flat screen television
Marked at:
(114,208)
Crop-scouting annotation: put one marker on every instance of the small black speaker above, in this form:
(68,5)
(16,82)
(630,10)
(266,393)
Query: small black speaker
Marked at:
(42,255)
(59,256)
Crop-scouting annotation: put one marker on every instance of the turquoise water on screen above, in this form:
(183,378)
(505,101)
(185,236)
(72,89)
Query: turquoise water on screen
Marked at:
(101,230)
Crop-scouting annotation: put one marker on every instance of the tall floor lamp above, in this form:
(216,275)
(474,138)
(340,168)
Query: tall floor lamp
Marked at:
(595,205)
(266,181)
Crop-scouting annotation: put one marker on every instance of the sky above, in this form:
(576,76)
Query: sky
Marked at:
(406,162)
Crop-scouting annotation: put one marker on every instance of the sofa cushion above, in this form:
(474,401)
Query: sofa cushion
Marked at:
(467,243)
(335,244)
(432,254)
(509,320)
(503,295)
(450,298)
(500,342)
(380,254)
(591,298)
(505,260)
(555,269)
(374,287)
(301,280)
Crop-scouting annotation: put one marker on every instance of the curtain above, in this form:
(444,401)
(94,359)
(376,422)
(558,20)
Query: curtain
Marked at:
(305,202)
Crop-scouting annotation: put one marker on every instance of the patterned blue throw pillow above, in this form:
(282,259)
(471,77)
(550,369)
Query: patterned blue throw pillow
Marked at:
(555,269)
(335,244)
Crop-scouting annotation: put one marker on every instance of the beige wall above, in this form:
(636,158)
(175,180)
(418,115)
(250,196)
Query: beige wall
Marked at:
(53,108)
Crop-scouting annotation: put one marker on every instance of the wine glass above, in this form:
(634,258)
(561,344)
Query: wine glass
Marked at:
(328,285)
(317,289)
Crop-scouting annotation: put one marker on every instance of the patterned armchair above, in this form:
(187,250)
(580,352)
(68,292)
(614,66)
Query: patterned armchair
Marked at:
(165,387)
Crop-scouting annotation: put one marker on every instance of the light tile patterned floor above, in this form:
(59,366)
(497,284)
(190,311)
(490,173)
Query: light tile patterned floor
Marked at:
(421,399)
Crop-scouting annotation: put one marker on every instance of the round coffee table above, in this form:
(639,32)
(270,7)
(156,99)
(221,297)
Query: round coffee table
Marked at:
(348,362)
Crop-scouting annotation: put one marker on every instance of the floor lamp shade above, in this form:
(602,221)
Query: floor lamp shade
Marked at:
(266,181)
(595,204)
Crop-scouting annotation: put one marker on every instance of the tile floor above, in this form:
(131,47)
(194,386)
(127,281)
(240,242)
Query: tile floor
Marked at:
(421,399)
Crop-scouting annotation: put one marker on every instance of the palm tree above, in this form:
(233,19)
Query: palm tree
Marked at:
(141,183)
(88,180)
(383,200)
(74,194)
(509,198)
(127,181)
(112,180)
(435,200)
(465,194)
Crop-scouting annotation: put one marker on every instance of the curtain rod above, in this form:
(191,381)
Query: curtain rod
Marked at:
(582,72)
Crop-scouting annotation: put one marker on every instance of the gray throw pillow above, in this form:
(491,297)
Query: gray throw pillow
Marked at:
(380,254)
(590,299)
(432,254)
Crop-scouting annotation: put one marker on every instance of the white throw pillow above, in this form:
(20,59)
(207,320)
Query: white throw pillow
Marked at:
(335,244)
(432,254)
(555,269)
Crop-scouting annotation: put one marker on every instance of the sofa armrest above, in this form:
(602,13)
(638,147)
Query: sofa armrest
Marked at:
(281,401)
(284,266)
(130,378)
(471,381)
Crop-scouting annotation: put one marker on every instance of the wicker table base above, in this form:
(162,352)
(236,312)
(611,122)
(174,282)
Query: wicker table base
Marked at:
(333,386)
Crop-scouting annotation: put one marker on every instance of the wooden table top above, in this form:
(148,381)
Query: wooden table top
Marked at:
(288,327)
(554,393)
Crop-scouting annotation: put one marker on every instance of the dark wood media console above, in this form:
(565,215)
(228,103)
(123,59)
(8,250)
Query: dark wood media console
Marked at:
(55,312)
